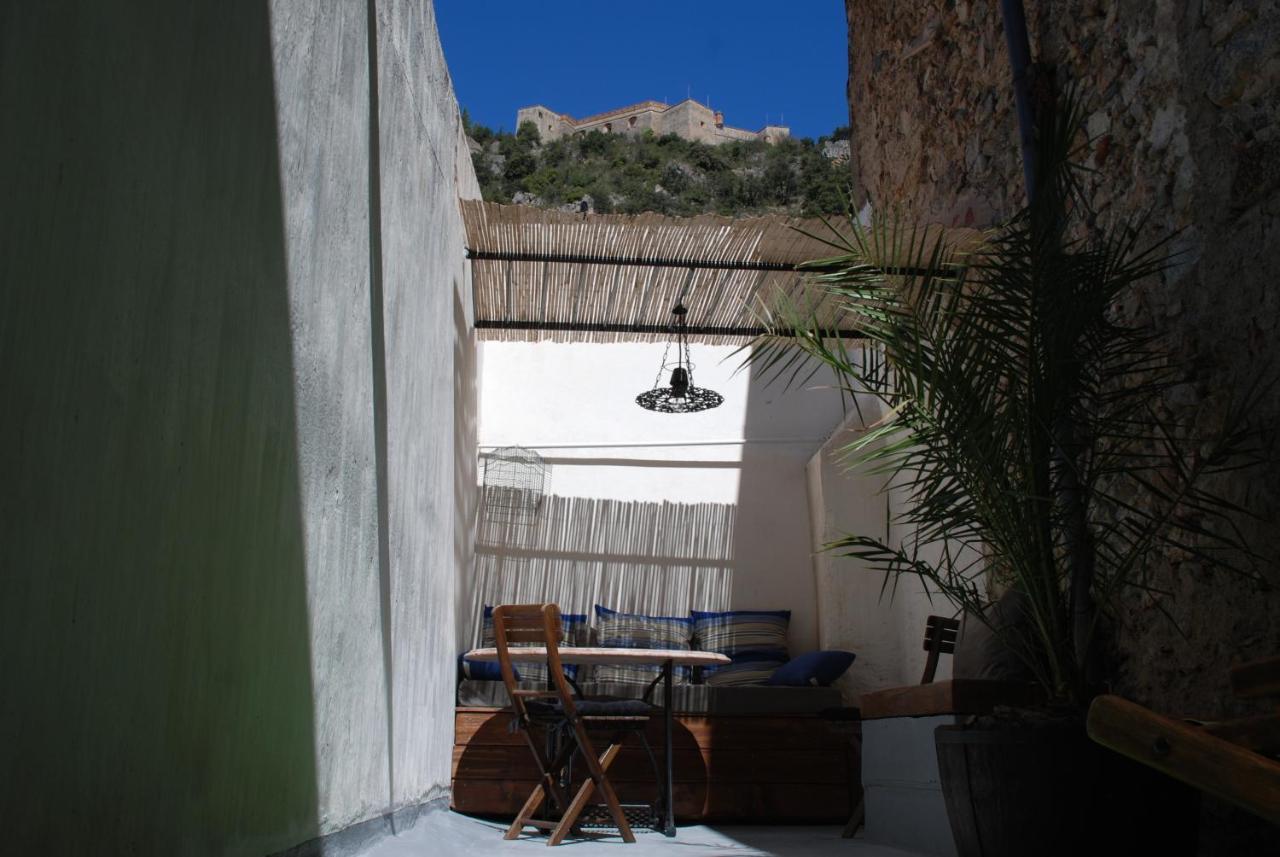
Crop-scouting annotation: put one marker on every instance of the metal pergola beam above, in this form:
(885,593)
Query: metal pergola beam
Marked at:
(692,264)
(628,261)
(659,329)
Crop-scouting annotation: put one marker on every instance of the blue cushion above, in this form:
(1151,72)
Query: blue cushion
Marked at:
(636,631)
(813,668)
(747,668)
(756,635)
(574,631)
(482,670)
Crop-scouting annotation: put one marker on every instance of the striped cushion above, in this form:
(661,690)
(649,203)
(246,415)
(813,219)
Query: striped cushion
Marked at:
(574,631)
(748,668)
(633,631)
(755,636)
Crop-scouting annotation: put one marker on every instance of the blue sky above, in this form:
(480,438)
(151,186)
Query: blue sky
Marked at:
(754,59)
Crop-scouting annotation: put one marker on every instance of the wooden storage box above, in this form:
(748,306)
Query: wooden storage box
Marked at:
(742,768)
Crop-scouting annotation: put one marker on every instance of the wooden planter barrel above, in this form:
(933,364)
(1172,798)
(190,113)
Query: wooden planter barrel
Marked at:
(1048,790)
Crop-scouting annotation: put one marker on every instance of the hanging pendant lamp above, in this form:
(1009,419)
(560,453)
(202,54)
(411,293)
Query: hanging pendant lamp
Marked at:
(680,396)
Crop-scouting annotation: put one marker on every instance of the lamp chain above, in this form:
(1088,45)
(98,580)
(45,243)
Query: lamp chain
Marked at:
(657,382)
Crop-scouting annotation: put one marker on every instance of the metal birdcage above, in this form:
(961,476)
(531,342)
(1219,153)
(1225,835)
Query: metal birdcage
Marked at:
(515,480)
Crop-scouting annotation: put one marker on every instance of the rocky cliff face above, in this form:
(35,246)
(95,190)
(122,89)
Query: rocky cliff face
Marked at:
(1183,124)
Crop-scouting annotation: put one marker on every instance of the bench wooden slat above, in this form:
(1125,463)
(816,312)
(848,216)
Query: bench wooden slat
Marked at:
(488,726)
(1188,753)
(706,764)
(797,768)
(1260,734)
(1256,678)
(955,696)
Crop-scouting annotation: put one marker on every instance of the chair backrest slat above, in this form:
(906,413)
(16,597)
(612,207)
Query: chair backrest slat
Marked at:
(523,635)
(939,639)
(531,623)
(941,632)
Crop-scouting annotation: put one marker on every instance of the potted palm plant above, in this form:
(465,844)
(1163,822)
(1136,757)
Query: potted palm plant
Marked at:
(1024,422)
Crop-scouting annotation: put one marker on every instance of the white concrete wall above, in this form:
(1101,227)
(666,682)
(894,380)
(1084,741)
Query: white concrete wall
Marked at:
(425,167)
(885,627)
(239,479)
(902,789)
(653,512)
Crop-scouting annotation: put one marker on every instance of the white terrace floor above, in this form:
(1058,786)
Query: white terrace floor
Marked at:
(448,833)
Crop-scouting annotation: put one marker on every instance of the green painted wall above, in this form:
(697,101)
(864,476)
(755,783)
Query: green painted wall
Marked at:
(153,611)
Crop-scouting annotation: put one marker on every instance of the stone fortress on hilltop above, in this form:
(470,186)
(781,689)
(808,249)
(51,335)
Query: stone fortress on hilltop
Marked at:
(687,119)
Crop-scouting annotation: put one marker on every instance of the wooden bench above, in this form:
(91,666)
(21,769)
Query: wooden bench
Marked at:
(728,768)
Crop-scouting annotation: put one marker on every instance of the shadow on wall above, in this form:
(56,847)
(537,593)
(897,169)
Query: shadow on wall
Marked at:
(153,607)
(638,557)
(465,495)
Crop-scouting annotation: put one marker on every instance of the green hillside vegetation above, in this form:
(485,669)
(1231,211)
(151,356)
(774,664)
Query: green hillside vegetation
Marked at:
(670,175)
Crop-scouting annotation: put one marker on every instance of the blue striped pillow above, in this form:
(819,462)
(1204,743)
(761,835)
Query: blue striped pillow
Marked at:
(634,631)
(758,637)
(747,668)
(574,631)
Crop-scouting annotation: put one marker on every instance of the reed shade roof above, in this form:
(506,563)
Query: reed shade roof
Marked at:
(564,276)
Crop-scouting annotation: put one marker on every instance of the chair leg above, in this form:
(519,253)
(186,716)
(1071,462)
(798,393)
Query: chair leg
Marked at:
(653,760)
(597,778)
(855,820)
(548,786)
(529,808)
(597,769)
(611,797)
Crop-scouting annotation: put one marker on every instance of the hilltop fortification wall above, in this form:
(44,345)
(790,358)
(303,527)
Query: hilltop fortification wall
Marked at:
(688,119)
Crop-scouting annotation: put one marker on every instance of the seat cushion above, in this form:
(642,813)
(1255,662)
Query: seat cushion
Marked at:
(595,707)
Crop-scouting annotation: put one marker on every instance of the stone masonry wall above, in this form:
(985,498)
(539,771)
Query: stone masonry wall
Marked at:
(1183,123)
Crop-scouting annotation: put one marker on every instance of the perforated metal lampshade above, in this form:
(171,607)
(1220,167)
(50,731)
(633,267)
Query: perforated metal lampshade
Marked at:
(680,396)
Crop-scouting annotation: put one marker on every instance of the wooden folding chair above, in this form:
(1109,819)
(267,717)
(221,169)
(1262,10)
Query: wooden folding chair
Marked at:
(939,639)
(558,711)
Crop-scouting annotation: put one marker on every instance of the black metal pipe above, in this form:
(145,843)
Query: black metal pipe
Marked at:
(668,796)
(661,329)
(1015,34)
(651,262)
(631,261)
